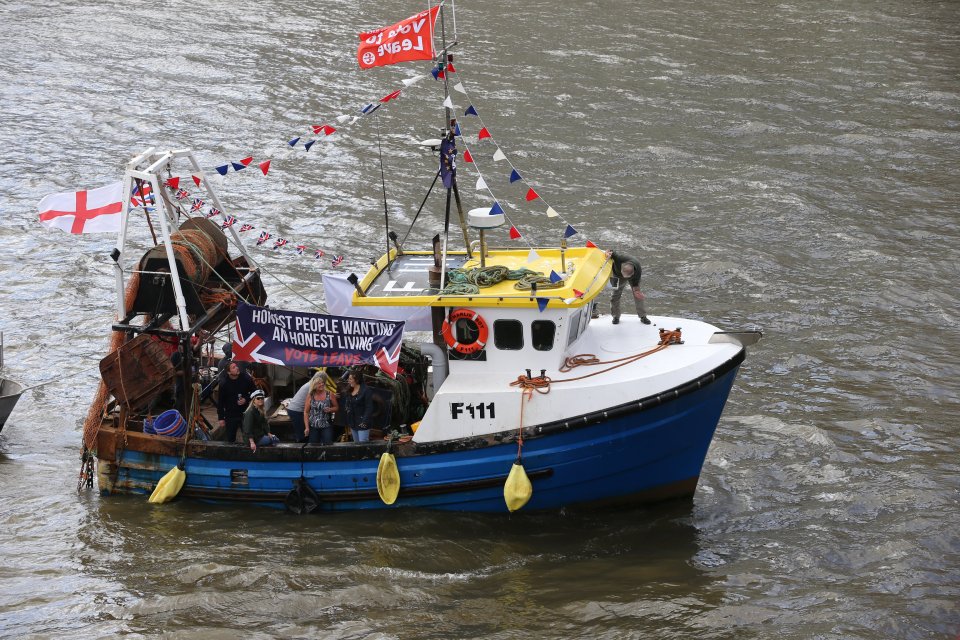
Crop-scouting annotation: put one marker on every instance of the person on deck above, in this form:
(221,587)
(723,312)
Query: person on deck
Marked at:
(296,407)
(359,407)
(256,429)
(235,388)
(318,420)
(626,270)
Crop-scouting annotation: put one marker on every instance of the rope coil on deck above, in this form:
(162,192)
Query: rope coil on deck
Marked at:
(470,281)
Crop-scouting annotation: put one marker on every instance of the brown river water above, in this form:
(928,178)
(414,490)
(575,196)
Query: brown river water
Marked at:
(788,166)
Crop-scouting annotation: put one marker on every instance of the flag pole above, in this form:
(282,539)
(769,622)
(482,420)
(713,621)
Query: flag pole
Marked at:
(383,183)
(449,130)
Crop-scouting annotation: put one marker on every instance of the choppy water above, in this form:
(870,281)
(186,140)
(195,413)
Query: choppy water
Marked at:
(788,166)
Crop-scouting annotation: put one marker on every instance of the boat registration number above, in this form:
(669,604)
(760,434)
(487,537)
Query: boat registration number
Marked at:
(479,410)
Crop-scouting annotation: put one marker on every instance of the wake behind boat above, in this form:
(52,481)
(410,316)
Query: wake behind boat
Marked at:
(521,395)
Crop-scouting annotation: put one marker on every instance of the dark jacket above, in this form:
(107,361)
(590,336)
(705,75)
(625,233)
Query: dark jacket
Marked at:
(359,408)
(255,425)
(619,259)
(227,406)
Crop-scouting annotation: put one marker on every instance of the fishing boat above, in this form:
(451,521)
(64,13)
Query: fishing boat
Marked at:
(10,391)
(519,394)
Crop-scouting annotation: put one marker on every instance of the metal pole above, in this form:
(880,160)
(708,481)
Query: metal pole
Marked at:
(383,183)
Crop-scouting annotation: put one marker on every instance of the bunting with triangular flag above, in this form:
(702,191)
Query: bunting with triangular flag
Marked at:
(514,233)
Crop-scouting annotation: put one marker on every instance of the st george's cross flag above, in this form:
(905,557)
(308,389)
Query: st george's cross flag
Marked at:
(90,211)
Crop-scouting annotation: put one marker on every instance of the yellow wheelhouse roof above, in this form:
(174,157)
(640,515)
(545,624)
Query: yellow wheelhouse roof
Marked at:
(407,281)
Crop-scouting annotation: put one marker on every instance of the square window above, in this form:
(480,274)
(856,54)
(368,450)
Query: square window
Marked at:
(508,335)
(542,333)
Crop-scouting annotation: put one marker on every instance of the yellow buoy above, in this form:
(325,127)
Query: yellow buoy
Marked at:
(388,479)
(169,486)
(517,490)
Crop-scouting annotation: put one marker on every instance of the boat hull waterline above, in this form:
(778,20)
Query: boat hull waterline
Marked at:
(644,451)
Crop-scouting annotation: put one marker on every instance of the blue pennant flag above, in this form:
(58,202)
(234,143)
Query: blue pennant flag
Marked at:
(370,108)
(514,176)
(222,169)
(555,277)
(542,303)
(237,166)
(435,72)
(496,208)
(569,231)
(471,112)
(294,142)
(456,129)
(307,145)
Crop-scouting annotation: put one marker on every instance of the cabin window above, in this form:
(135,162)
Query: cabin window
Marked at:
(542,333)
(508,334)
(574,327)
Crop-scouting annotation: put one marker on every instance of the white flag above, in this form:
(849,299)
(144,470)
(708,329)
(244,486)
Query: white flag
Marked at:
(499,155)
(411,81)
(551,213)
(459,87)
(481,183)
(448,103)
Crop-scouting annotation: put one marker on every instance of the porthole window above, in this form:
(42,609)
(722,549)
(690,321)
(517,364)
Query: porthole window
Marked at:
(542,333)
(508,335)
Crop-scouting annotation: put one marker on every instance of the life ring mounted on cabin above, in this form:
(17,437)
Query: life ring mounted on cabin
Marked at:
(479,328)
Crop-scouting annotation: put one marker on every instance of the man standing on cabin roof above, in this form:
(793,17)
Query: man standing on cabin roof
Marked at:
(235,389)
(626,269)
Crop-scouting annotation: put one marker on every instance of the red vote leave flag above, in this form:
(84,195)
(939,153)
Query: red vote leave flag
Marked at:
(410,39)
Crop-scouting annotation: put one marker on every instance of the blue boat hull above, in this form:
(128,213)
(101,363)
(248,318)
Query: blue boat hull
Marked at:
(647,450)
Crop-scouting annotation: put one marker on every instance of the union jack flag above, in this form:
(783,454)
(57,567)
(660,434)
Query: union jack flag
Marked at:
(229,222)
(264,236)
(336,261)
(301,248)
(279,243)
(181,194)
(197,205)
(213,212)
(318,254)
(136,200)
(246,227)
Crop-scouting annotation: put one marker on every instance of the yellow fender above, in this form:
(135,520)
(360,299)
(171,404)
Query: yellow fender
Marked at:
(388,479)
(517,490)
(169,486)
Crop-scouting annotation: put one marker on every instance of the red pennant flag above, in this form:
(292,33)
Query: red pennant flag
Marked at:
(327,129)
(173,183)
(577,293)
(390,96)
(246,161)
(196,180)
(264,166)
(483,134)
(317,128)
(591,245)
(514,234)
(441,75)
(531,195)
(466,156)
(450,68)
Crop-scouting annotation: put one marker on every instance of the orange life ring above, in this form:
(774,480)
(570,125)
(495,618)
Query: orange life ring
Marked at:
(465,314)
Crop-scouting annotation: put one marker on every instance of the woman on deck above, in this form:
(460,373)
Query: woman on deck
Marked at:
(320,407)
(359,407)
(256,429)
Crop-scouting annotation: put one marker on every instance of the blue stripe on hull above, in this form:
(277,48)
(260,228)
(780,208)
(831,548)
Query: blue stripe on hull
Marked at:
(656,452)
